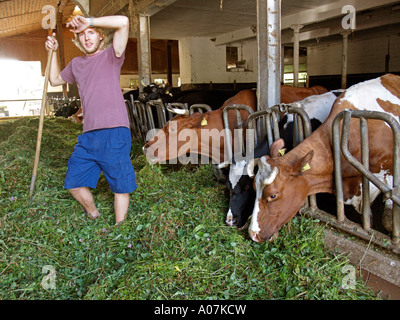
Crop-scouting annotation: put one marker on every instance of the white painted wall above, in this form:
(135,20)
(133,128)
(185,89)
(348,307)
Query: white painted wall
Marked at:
(201,61)
(364,56)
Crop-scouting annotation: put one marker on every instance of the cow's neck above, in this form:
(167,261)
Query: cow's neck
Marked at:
(319,178)
(213,139)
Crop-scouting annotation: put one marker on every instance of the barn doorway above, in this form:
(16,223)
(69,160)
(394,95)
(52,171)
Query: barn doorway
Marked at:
(21,88)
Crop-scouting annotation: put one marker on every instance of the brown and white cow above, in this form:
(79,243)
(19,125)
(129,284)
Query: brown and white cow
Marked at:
(292,94)
(282,183)
(197,133)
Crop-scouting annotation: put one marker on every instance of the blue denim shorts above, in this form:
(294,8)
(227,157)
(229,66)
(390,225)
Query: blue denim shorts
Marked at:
(106,150)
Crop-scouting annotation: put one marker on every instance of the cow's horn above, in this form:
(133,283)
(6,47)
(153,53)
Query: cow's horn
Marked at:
(271,176)
(250,167)
(224,164)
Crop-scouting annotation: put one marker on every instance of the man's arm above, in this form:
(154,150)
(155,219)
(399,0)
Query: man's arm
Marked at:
(119,23)
(54,75)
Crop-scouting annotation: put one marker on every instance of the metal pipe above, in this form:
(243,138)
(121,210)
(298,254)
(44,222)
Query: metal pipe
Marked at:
(354,162)
(200,107)
(338,168)
(268,54)
(228,133)
(366,209)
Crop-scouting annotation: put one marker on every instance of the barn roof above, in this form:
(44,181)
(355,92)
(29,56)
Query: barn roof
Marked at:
(22,16)
(222,20)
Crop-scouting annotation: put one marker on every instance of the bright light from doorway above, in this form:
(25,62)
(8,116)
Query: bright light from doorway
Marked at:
(20,80)
(21,83)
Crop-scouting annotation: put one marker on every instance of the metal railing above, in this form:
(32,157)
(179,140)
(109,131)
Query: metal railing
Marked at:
(270,125)
(239,126)
(340,145)
(155,114)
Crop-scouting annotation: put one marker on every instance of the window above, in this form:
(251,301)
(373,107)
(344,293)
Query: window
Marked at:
(234,59)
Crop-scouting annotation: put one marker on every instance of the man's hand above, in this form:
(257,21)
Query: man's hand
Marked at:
(78,24)
(51,43)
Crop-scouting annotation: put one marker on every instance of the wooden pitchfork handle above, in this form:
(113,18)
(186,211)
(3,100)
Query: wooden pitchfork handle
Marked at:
(41,119)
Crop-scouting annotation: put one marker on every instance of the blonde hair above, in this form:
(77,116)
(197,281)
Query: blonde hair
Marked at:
(103,43)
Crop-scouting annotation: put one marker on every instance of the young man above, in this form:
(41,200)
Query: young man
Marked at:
(106,141)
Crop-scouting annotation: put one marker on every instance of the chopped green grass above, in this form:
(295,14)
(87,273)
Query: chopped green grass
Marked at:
(173,245)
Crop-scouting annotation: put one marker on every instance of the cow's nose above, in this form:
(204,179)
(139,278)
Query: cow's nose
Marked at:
(229,219)
(144,149)
(254,236)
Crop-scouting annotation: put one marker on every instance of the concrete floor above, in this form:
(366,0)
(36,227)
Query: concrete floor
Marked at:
(380,271)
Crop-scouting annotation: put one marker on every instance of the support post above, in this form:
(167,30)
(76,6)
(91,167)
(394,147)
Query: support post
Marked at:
(269,53)
(296,49)
(345,36)
(144,51)
(169,62)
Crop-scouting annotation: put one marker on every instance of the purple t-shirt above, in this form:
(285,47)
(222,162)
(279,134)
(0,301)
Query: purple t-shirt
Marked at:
(97,77)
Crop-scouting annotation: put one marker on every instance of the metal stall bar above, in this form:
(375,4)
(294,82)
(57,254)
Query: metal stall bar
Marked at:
(136,118)
(129,108)
(160,112)
(141,116)
(239,124)
(176,105)
(200,107)
(390,192)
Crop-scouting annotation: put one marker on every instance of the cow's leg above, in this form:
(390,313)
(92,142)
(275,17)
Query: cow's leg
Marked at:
(85,198)
(121,205)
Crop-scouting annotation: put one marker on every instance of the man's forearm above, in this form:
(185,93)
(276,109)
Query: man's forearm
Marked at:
(54,76)
(111,22)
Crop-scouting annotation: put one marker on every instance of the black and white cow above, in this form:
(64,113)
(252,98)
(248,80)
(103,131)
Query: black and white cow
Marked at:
(240,185)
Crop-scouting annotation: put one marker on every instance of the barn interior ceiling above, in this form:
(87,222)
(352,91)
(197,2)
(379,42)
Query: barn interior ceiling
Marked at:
(223,21)
(22,16)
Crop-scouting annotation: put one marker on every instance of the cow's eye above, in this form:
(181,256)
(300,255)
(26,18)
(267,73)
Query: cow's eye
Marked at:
(272,197)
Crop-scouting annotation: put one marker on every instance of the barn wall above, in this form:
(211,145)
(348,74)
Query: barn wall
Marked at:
(364,56)
(202,62)
(30,47)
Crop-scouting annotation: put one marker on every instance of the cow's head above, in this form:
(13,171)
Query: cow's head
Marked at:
(195,134)
(154,92)
(281,189)
(242,195)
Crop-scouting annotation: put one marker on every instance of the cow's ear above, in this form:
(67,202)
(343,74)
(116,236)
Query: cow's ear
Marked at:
(275,147)
(303,164)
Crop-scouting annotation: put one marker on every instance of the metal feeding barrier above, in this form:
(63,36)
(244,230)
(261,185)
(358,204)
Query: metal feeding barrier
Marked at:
(390,192)
(155,114)
(239,125)
(133,119)
(266,123)
(199,107)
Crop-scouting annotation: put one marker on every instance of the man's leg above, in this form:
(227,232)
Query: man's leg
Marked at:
(84,196)
(121,205)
